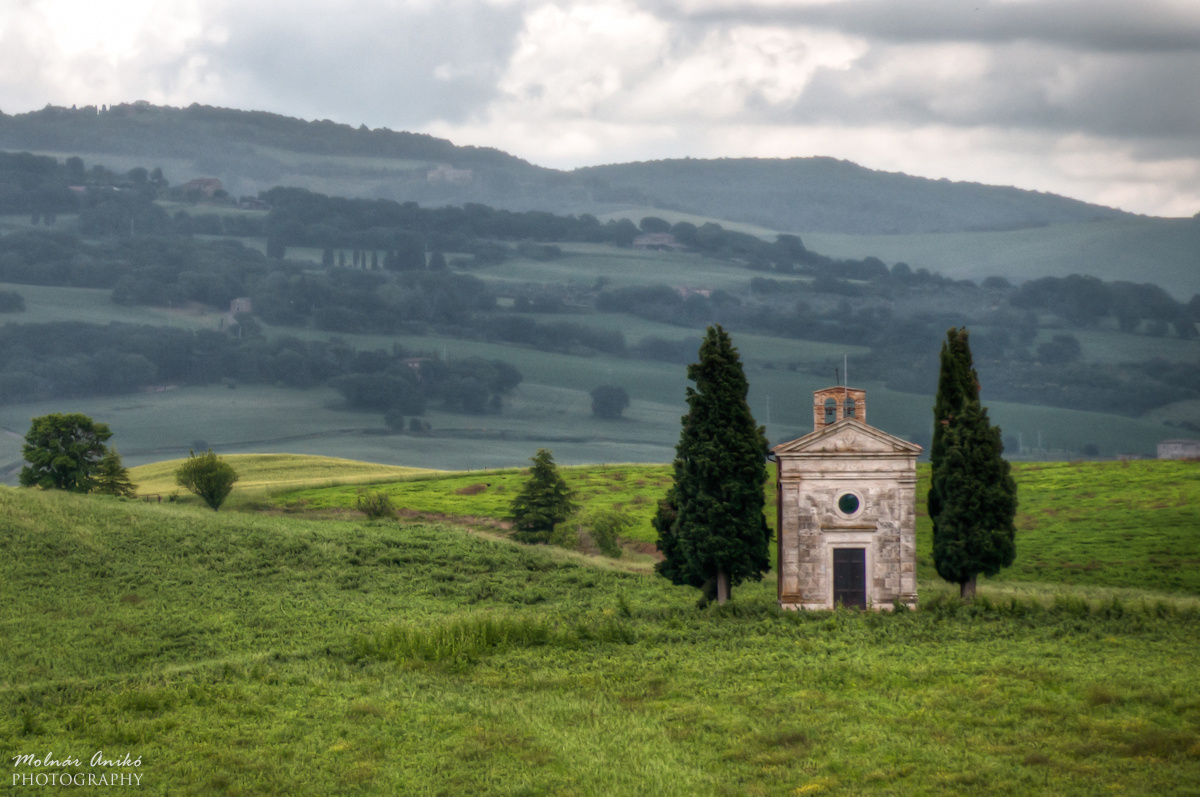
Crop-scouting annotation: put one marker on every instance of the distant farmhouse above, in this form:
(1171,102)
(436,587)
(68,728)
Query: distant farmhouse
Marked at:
(684,291)
(846,499)
(1179,449)
(444,173)
(657,241)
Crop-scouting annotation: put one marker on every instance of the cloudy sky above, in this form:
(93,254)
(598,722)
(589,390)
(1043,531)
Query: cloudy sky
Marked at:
(1095,99)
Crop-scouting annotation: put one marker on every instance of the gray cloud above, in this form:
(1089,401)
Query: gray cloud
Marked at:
(1020,86)
(1095,67)
(1093,25)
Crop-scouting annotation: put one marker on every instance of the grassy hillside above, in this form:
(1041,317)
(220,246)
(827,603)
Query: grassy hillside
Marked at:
(260,472)
(1100,524)
(829,195)
(252,151)
(248,654)
(1162,251)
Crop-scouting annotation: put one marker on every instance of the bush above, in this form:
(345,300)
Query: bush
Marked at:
(375,505)
(605,526)
(208,476)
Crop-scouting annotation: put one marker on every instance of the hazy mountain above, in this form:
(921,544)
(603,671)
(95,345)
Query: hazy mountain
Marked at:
(252,151)
(828,195)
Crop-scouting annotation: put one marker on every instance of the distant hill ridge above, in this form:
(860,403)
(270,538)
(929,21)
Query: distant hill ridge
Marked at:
(822,194)
(251,151)
(145,129)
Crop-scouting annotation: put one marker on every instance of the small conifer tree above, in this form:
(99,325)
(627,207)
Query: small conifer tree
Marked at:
(112,478)
(544,501)
(711,528)
(972,497)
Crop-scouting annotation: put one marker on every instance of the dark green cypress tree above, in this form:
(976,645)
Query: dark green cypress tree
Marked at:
(711,527)
(974,533)
(957,385)
(972,496)
(544,501)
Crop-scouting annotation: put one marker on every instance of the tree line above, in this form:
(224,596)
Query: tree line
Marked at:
(69,359)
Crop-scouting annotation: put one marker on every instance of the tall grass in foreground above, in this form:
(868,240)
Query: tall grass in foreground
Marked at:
(246,654)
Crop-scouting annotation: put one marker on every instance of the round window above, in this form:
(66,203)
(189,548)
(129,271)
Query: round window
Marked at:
(848,503)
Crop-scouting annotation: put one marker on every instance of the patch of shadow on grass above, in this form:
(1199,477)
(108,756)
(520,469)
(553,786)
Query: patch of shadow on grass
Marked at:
(1159,743)
(771,749)
(1101,695)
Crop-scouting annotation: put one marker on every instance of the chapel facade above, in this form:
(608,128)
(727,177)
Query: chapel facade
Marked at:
(846,503)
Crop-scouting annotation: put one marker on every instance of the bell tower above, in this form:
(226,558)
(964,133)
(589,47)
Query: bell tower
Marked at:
(834,403)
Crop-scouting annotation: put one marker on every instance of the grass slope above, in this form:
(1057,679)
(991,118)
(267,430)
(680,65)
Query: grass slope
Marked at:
(1125,525)
(1161,251)
(261,472)
(243,654)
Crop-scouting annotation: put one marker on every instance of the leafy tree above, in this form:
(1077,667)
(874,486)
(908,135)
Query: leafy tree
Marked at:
(711,528)
(394,419)
(543,502)
(64,452)
(653,224)
(609,401)
(208,476)
(1061,350)
(973,497)
(112,478)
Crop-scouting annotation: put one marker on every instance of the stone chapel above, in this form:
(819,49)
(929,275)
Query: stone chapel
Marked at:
(846,503)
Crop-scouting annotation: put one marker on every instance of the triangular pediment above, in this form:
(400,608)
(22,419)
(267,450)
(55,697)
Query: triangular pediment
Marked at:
(848,436)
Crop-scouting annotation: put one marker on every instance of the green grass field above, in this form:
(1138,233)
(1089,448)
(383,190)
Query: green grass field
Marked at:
(44,304)
(583,264)
(260,653)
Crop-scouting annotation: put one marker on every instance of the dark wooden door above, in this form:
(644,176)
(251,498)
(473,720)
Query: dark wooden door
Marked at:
(850,577)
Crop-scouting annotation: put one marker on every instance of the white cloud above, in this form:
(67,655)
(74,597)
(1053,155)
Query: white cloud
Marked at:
(619,66)
(572,61)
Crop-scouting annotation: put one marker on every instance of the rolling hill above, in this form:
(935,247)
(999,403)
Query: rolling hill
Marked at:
(425,657)
(966,230)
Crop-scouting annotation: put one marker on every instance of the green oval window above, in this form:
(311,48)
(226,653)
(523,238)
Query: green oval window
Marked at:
(848,503)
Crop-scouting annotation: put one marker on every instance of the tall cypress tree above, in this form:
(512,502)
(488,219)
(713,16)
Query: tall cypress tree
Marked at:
(973,497)
(957,385)
(711,528)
